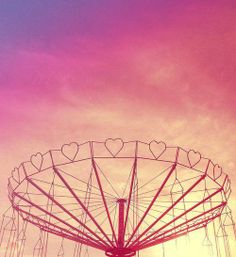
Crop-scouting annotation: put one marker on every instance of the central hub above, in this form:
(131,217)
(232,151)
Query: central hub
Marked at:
(120,252)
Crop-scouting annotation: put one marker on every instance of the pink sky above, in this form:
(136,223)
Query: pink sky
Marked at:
(144,70)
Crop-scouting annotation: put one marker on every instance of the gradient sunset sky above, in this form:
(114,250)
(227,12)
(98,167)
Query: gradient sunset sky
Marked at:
(88,70)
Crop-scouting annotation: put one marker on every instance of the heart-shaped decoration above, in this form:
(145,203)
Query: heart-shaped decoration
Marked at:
(157,148)
(37,160)
(15,175)
(70,150)
(194,157)
(114,146)
(217,171)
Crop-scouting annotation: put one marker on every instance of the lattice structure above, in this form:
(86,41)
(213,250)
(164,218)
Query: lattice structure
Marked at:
(118,197)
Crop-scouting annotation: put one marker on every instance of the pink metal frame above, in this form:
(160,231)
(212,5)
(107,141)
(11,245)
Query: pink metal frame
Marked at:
(125,240)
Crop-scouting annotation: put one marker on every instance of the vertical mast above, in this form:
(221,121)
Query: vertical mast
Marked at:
(121,227)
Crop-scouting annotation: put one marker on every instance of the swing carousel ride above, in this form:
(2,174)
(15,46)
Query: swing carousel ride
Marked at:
(115,198)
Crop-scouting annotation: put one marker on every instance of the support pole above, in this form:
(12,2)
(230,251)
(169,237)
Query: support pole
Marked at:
(121,223)
(120,250)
